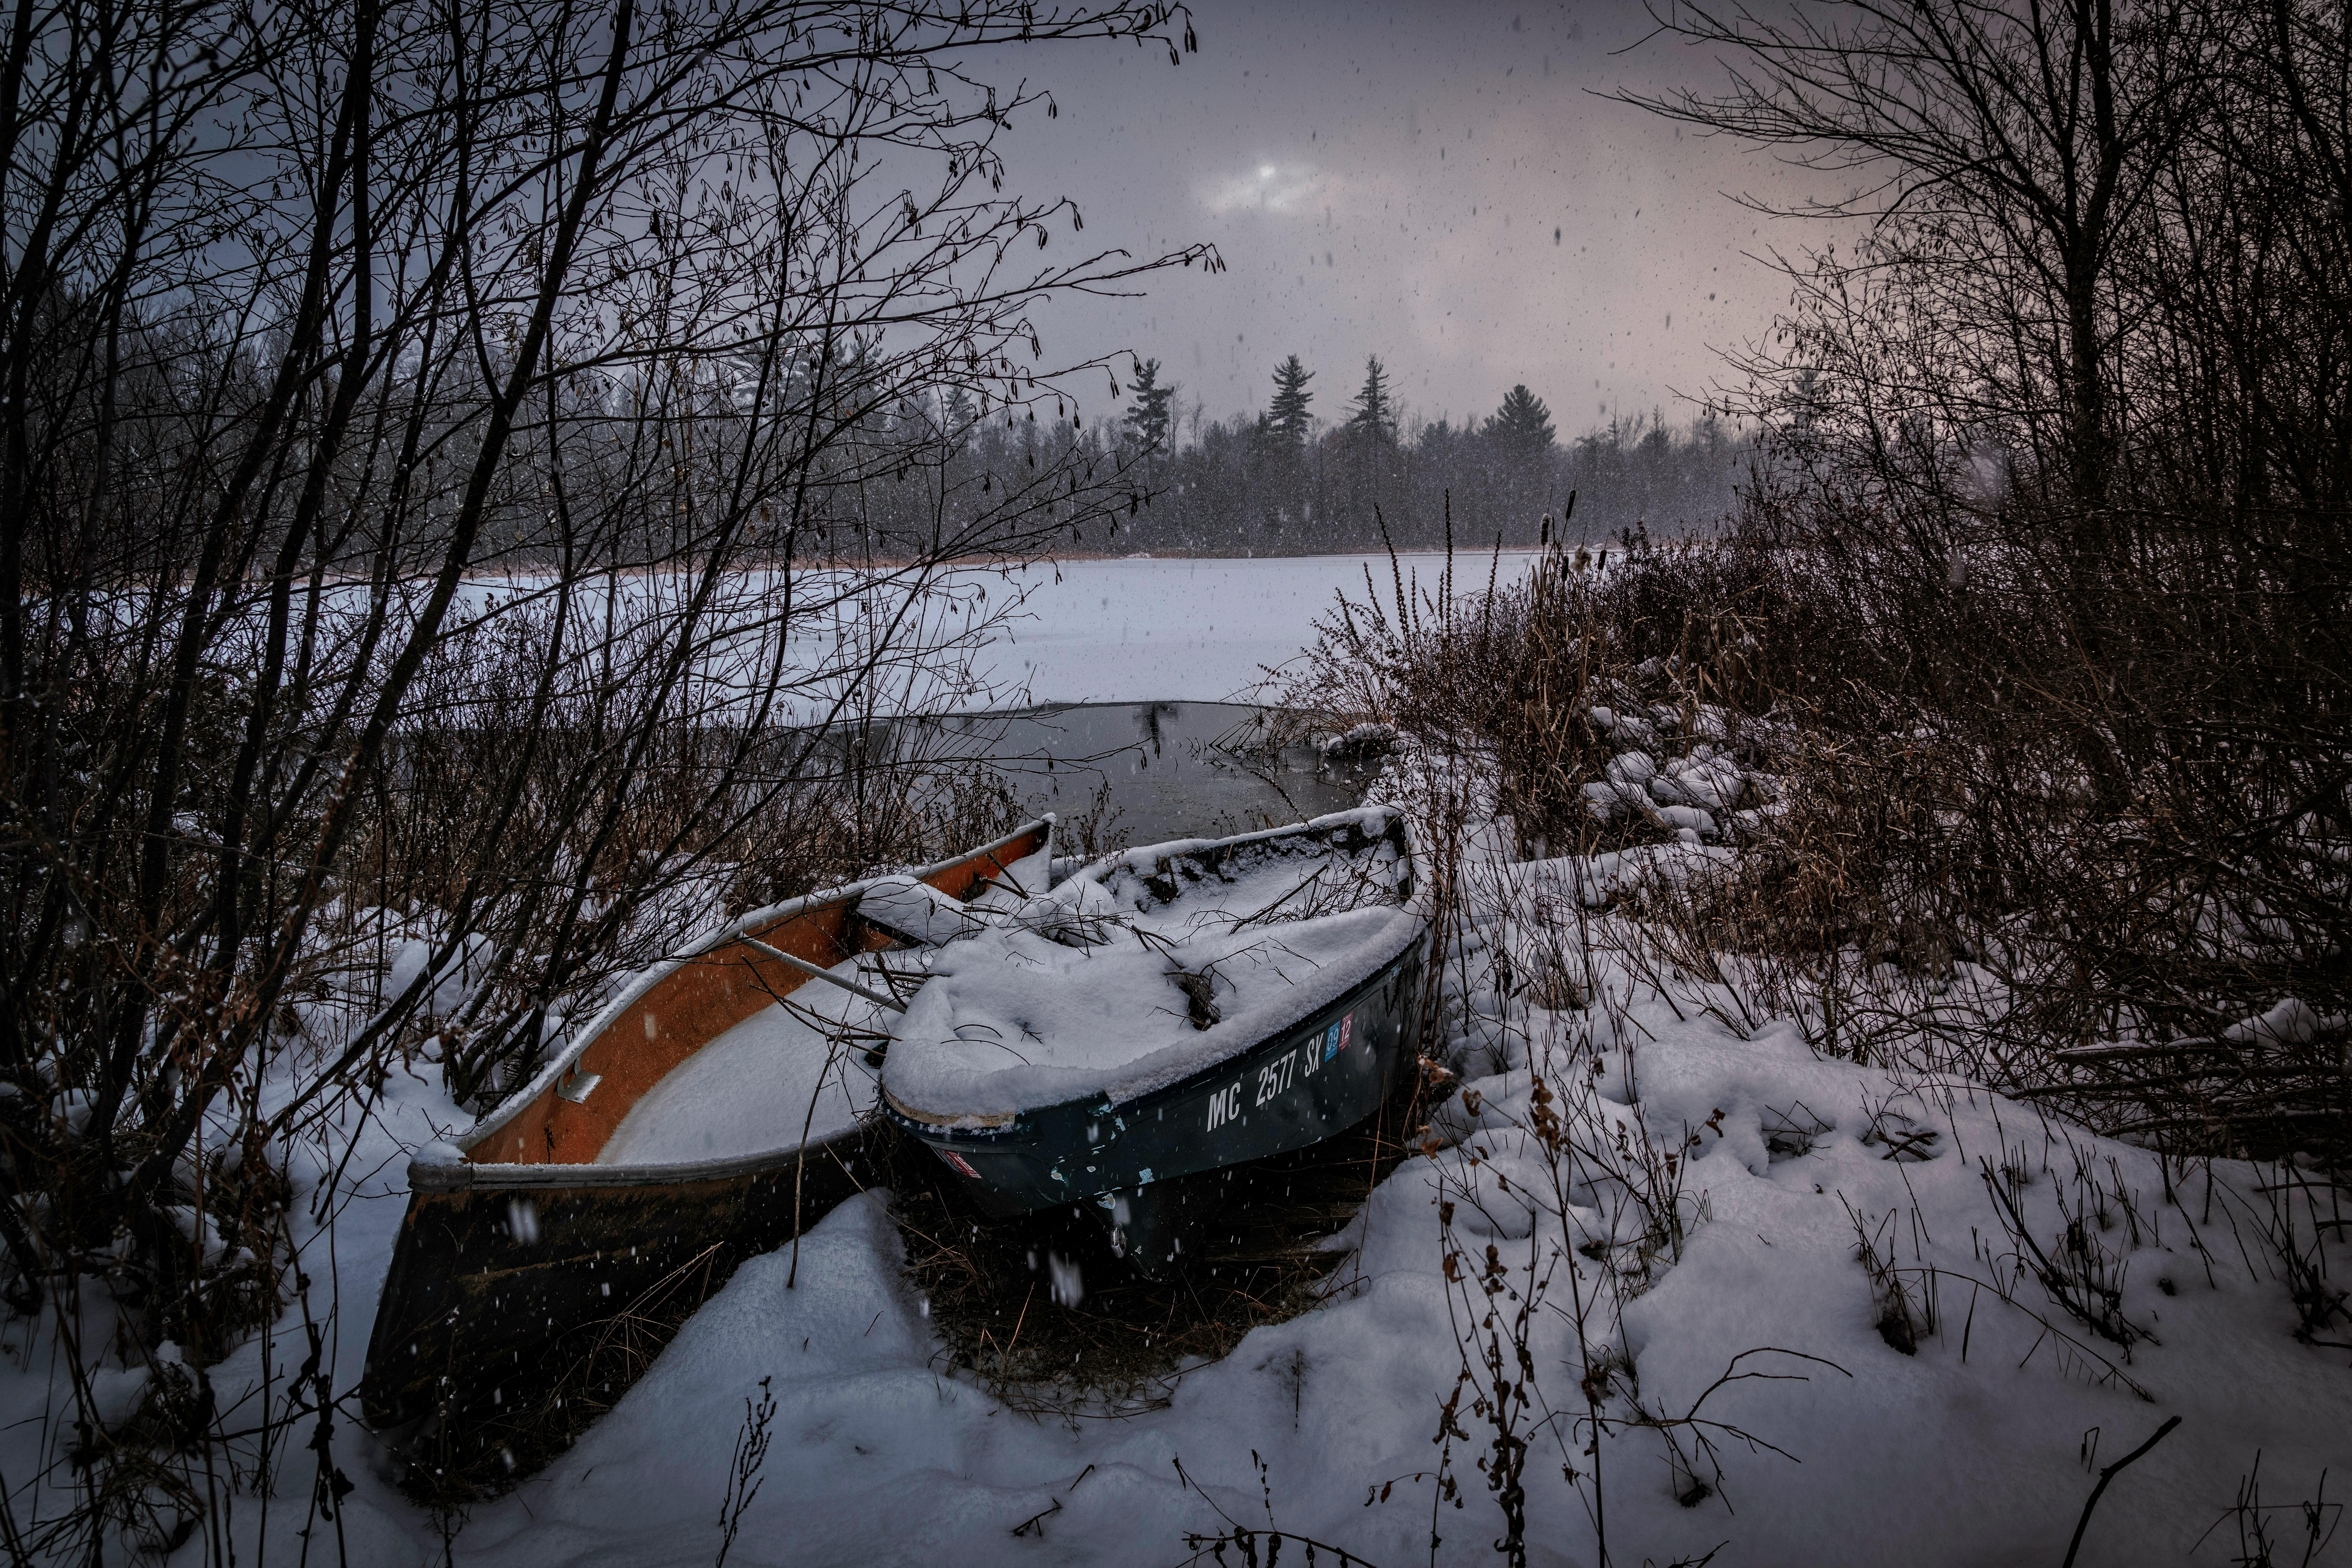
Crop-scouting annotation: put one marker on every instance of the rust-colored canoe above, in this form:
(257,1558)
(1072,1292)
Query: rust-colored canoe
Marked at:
(531,1282)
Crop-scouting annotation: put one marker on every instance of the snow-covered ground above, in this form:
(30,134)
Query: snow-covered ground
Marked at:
(1929,1458)
(1979,1447)
(1679,1169)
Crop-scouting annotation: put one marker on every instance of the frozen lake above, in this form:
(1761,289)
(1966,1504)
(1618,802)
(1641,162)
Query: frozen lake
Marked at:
(1144,630)
(1138,665)
(1133,629)
(1122,671)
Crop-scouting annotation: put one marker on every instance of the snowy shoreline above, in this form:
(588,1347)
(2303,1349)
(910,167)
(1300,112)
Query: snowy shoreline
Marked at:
(1833,1234)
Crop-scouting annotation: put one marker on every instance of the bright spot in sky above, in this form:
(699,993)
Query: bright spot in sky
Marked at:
(1268,187)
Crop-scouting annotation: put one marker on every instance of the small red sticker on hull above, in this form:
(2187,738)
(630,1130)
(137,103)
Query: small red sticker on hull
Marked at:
(961,1164)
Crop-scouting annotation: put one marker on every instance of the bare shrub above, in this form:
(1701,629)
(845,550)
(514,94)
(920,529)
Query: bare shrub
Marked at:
(2058,468)
(476,494)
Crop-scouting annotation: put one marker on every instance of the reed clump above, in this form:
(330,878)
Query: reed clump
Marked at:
(2115,882)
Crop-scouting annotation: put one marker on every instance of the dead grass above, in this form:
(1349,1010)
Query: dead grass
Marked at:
(989,1286)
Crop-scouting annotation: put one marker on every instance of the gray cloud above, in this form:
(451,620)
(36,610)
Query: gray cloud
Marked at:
(1437,185)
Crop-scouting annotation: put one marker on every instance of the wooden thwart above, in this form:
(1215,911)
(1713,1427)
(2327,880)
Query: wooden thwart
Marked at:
(827,975)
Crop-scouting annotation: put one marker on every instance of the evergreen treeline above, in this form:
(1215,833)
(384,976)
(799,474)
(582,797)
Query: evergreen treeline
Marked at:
(1287,482)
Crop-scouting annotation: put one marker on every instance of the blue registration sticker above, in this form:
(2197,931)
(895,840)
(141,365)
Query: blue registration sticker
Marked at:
(1332,1037)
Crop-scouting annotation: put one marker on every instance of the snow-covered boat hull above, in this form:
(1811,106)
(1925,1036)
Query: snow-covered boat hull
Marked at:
(1141,1163)
(526,1272)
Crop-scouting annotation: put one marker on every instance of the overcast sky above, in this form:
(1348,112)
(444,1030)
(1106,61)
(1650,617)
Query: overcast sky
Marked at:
(1436,184)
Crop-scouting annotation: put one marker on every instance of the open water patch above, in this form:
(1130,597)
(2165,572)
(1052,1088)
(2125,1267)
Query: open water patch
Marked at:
(1151,771)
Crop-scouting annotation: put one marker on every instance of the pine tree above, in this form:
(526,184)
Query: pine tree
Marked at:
(1287,414)
(1522,425)
(1375,413)
(1149,417)
(1262,439)
(959,413)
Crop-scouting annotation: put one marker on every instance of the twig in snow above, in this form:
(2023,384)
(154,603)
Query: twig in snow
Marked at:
(744,1480)
(2107,1475)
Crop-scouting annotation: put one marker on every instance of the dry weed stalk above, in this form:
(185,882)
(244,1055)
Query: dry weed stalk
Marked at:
(1553,1219)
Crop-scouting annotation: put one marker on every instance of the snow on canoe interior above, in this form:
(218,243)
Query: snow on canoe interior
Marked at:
(1168,1012)
(709,1113)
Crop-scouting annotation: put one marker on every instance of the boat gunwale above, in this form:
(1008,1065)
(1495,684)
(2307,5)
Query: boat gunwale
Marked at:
(465,1176)
(425,1172)
(1328,821)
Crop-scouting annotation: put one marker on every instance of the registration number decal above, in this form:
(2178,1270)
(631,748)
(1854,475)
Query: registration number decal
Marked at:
(1283,1073)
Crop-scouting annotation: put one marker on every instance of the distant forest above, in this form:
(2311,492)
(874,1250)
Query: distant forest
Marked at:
(1284,480)
(1287,482)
